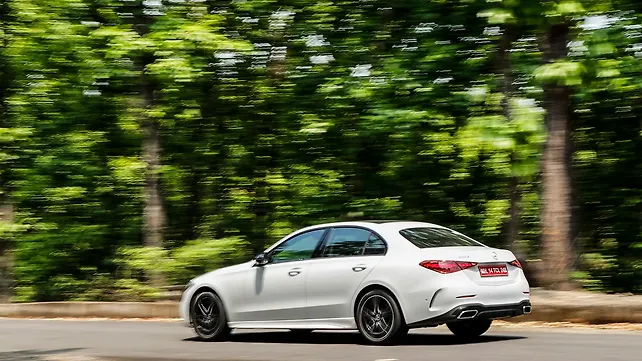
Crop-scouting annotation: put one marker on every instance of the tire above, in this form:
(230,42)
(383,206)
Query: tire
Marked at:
(469,329)
(379,318)
(208,316)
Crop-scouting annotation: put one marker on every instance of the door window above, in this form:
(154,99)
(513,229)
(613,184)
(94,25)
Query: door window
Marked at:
(297,248)
(375,246)
(344,242)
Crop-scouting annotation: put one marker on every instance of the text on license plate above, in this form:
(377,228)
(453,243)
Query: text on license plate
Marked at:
(493,271)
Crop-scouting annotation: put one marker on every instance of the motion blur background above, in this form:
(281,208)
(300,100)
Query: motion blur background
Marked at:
(145,142)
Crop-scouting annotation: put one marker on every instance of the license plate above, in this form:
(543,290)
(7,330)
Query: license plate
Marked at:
(493,271)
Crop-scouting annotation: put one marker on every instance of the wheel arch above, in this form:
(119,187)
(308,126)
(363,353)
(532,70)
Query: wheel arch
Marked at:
(375,286)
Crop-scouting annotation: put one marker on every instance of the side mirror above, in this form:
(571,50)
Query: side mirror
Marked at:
(261,259)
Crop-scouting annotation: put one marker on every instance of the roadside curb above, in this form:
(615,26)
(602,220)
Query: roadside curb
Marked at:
(548,306)
(90,310)
(596,315)
(582,307)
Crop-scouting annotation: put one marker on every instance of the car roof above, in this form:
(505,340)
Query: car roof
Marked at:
(382,226)
(376,224)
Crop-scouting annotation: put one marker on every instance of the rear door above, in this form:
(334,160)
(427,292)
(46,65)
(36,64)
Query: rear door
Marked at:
(348,255)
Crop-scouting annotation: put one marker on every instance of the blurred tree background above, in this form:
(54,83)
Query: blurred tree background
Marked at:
(143,142)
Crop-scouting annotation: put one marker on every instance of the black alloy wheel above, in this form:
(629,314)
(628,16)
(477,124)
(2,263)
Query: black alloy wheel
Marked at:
(208,317)
(379,318)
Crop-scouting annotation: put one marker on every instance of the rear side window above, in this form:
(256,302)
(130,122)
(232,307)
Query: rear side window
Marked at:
(375,246)
(349,241)
(427,237)
(346,242)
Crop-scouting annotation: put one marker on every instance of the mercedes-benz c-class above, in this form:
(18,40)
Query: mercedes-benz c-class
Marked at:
(381,278)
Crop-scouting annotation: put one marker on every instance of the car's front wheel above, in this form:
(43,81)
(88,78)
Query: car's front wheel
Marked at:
(208,317)
(379,318)
(469,328)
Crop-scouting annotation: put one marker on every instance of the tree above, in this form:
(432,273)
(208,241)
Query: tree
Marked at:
(153,212)
(558,74)
(556,183)
(8,136)
(142,139)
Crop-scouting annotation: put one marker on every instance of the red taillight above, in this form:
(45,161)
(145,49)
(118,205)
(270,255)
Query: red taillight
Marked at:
(515,263)
(447,266)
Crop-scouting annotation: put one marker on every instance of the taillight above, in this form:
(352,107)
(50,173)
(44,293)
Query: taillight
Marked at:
(447,266)
(515,263)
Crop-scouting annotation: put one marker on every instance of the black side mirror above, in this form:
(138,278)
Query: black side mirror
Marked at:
(261,259)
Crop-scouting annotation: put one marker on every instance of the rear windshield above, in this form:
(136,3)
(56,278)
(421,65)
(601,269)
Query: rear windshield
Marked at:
(426,237)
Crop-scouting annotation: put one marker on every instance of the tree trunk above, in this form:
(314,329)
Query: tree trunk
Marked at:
(153,215)
(513,226)
(556,181)
(6,279)
(153,212)
(504,67)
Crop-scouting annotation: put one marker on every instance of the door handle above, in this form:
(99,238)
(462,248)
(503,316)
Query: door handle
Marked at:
(358,268)
(294,272)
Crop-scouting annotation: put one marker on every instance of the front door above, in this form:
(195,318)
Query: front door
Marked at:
(277,289)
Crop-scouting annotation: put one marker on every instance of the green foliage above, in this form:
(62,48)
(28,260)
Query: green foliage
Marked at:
(201,256)
(277,115)
(180,265)
(561,72)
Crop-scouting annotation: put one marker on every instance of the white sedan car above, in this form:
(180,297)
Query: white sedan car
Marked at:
(379,277)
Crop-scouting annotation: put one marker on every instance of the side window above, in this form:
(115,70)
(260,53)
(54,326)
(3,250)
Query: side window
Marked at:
(375,246)
(297,248)
(344,242)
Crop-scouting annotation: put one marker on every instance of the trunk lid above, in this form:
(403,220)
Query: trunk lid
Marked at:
(492,264)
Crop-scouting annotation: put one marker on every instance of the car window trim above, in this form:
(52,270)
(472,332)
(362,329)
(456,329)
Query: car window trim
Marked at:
(327,235)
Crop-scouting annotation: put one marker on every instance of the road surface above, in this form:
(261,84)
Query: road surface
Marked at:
(58,340)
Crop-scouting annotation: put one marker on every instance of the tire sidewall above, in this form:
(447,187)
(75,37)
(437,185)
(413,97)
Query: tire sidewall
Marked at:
(221,329)
(398,324)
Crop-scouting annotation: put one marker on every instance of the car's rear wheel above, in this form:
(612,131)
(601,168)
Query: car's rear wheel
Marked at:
(379,318)
(208,317)
(469,328)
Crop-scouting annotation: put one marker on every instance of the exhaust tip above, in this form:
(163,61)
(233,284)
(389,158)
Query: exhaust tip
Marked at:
(526,310)
(467,315)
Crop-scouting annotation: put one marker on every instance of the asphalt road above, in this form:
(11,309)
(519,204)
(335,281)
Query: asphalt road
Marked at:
(57,340)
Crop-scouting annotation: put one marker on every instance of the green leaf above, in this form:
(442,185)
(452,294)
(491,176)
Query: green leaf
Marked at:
(561,72)
(497,15)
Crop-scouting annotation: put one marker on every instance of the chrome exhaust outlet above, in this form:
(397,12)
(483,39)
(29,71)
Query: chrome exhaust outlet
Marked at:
(467,315)
(526,309)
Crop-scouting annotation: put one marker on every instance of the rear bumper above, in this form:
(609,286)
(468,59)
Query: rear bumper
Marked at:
(476,312)
(431,296)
